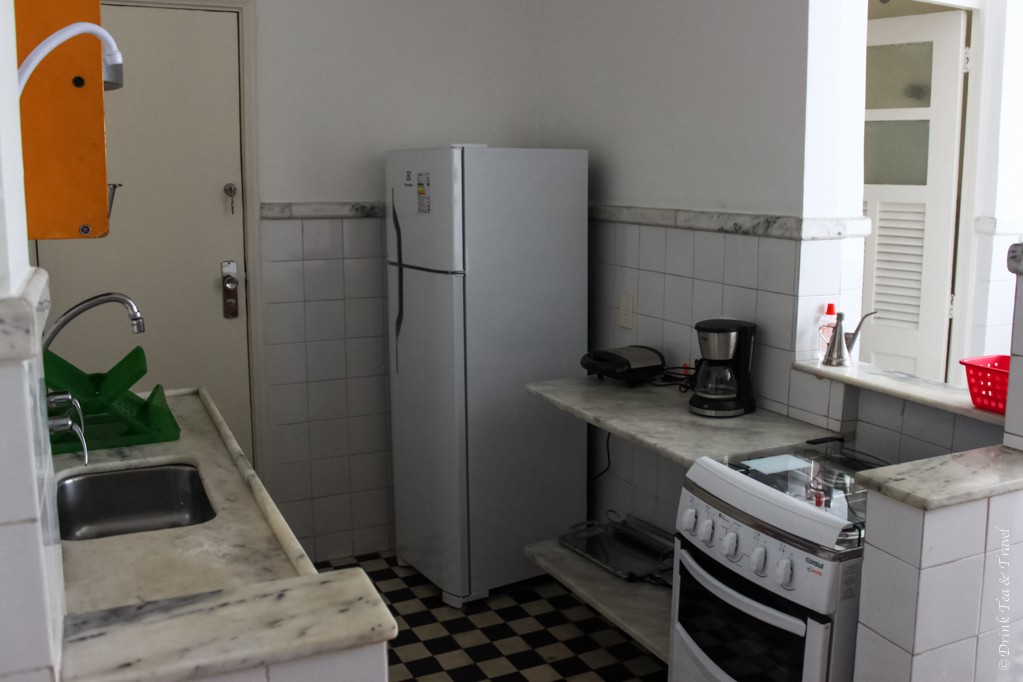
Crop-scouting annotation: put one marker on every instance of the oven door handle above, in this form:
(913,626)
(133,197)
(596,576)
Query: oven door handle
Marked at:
(774,618)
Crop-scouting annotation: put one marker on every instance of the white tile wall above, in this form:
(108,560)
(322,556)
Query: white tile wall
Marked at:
(741,256)
(651,290)
(1005,520)
(953,533)
(881,410)
(878,659)
(324,280)
(708,300)
(652,244)
(326,367)
(888,597)
(995,663)
(1003,573)
(776,320)
(321,239)
(950,663)
(895,528)
(679,254)
(949,603)
(18,503)
(706,275)
(927,424)
(639,482)
(709,256)
(912,449)
(627,245)
(777,262)
(818,275)
(959,617)
(897,431)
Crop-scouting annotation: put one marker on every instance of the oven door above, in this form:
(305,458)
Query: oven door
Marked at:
(728,629)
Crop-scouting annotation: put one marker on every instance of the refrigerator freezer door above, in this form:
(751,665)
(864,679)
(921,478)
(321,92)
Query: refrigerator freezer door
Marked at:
(525,309)
(428,427)
(424,211)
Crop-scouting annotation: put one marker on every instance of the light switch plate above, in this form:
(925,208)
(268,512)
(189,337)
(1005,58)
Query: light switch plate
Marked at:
(625,311)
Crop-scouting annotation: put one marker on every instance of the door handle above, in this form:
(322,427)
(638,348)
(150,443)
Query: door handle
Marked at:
(229,288)
(401,280)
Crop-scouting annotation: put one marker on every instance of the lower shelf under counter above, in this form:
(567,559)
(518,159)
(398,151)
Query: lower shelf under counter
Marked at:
(640,609)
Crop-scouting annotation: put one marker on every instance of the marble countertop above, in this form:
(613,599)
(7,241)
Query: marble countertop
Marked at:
(949,479)
(224,595)
(942,396)
(659,419)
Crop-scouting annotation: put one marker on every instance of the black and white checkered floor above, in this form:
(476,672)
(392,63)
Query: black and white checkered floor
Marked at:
(531,631)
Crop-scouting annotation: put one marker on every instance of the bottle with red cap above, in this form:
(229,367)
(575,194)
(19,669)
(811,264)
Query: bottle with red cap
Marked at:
(826,329)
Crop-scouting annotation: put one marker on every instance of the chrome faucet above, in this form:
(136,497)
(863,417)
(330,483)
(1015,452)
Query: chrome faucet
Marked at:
(138,325)
(65,424)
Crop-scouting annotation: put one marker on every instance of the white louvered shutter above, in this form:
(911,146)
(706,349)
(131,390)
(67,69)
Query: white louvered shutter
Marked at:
(908,258)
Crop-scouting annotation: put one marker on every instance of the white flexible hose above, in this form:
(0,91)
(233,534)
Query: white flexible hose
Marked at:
(112,55)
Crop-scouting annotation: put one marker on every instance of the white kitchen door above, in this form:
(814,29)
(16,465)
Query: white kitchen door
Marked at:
(911,170)
(174,142)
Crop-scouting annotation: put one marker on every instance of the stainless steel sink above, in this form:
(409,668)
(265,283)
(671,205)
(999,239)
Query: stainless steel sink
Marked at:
(131,501)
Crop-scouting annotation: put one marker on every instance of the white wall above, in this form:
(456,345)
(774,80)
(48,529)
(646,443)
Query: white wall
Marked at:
(13,236)
(1001,167)
(682,103)
(836,81)
(341,82)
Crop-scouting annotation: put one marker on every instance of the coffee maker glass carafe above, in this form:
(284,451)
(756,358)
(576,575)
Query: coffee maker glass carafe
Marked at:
(716,380)
(723,385)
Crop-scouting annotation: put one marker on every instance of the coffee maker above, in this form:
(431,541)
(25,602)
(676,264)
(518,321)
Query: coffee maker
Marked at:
(723,384)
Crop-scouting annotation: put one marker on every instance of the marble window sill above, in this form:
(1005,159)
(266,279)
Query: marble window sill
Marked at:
(906,386)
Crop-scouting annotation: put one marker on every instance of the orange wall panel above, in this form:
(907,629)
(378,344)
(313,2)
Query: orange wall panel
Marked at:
(62,129)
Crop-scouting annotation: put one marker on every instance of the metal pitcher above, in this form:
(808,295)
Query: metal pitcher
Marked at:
(842,342)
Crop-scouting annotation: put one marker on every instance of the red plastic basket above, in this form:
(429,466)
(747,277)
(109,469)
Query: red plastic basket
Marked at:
(988,378)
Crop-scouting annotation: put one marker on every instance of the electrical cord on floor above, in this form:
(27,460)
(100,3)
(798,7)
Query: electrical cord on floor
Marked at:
(607,449)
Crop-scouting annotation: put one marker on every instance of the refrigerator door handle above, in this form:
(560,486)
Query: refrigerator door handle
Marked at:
(401,279)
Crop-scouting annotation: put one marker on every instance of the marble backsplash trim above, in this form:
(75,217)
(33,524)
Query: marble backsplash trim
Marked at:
(342,209)
(778,227)
(22,319)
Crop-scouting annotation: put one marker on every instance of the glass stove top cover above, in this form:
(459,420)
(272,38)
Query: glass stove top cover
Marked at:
(821,475)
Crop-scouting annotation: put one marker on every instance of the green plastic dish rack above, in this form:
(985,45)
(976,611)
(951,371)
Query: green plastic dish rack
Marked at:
(114,416)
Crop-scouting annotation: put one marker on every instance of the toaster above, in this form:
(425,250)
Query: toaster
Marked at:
(631,364)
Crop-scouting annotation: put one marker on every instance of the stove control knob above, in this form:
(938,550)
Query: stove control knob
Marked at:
(758,560)
(705,534)
(689,520)
(783,573)
(730,545)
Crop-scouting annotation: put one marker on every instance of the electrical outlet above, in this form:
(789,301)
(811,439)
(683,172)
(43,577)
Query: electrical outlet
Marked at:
(625,311)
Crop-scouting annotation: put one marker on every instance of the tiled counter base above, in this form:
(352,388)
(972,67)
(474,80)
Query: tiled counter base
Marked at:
(943,570)
(234,598)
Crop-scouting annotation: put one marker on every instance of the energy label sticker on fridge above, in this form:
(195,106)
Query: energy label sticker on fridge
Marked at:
(423,192)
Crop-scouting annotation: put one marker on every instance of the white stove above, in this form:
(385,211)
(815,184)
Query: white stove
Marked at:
(768,559)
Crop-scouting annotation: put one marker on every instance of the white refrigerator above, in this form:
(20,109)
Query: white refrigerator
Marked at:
(487,292)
